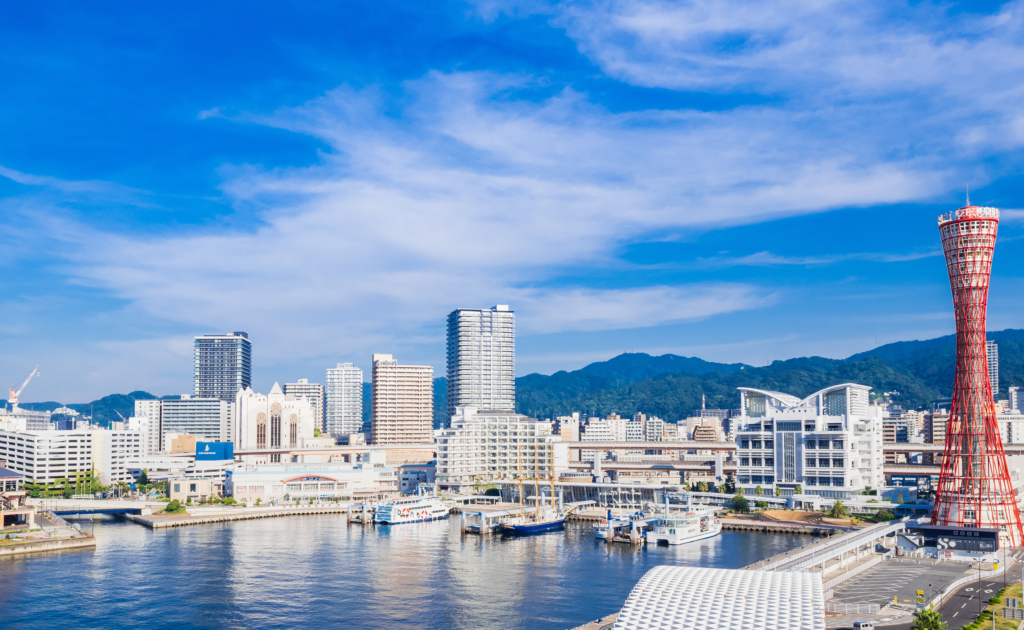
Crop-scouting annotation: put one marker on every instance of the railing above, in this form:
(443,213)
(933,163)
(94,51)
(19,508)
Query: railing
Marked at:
(822,553)
(937,600)
(853,572)
(856,609)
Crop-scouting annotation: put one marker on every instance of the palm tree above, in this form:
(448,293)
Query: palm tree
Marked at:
(928,619)
(798,490)
(838,510)
(778,491)
(739,491)
(758,490)
(702,486)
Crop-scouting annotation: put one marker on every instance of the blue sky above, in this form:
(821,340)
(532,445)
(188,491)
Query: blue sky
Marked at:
(735,182)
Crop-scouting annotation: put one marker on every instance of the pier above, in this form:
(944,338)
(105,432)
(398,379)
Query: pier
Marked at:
(207,516)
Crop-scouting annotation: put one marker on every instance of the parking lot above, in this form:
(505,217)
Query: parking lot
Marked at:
(900,578)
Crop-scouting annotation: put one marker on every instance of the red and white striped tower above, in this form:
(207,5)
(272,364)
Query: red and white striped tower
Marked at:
(974,482)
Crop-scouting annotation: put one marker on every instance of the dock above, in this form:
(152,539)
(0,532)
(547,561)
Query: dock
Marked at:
(230,515)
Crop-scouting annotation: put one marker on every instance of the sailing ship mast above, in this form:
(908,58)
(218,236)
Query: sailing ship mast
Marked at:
(536,483)
(519,457)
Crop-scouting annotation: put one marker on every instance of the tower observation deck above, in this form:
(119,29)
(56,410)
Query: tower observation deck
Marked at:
(974,482)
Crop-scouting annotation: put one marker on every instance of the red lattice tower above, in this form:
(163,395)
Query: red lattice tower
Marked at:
(974,483)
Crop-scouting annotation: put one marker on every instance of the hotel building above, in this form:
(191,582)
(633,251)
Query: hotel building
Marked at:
(481,446)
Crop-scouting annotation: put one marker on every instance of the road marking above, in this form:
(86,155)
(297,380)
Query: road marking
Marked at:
(956,613)
(963,605)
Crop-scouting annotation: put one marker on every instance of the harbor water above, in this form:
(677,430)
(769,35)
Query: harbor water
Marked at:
(319,572)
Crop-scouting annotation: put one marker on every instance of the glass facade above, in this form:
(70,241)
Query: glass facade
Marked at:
(222,366)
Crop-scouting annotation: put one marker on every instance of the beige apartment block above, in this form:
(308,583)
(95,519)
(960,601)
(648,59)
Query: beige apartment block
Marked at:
(403,402)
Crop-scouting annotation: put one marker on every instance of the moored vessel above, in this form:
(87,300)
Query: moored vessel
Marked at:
(415,509)
(687,524)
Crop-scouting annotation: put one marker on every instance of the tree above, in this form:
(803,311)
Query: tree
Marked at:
(838,510)
(885,515)
(316,432)
(759,490)
(174,507)
(899,498)
(739,491)
(761,505)
(740,504)
(143,478)
(702,486)
(799,489)
(778,491)
(928,619)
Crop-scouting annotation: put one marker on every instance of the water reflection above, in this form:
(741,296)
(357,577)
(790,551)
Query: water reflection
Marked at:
(318,571)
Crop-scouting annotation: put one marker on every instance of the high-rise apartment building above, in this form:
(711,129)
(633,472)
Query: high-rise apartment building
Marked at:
(312,392)
(992,354)
(482,359)
(223,365)
(344,408)
(403,402)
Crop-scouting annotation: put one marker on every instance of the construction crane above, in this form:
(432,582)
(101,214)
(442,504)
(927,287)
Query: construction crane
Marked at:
(14,394)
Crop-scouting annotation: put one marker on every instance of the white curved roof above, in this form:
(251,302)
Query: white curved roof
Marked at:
(787,399)
(833,388)
(692,598)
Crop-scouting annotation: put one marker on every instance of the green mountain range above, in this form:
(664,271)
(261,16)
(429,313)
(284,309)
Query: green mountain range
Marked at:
(918,373)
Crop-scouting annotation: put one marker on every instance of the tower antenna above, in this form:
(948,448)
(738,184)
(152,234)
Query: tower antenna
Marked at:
(968,195)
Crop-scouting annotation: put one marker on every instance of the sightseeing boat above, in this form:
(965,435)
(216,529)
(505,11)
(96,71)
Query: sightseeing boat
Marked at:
(688,524)
(415,509)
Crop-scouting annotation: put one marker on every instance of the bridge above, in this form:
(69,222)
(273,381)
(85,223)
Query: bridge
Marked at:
(72,507)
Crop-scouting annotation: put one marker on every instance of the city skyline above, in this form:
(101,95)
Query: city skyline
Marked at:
(772,211)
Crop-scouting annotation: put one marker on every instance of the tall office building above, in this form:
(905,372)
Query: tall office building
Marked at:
(975,489)
(312,392)
(344,408)
(482,359)
(209,419)
(403,402)
(992,353)
(223,365)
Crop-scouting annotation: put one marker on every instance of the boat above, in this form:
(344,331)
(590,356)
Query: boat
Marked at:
(414,509)
(688,524)
(542,519)
(608,527)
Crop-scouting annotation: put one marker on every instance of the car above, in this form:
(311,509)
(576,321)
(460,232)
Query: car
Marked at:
(863,625)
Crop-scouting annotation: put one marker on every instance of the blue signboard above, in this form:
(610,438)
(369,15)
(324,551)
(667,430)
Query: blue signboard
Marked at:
(214,450)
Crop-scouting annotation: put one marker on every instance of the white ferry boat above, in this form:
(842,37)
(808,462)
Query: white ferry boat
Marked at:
(690,523)
(423,507)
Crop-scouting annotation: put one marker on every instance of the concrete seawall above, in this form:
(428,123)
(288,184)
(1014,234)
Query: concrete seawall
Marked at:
(162,521)
(776,528)
(40,546)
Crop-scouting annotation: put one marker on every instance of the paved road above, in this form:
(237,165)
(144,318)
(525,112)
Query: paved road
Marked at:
(900,578)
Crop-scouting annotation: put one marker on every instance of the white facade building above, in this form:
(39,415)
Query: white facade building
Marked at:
(270,422)
(112,455)
(829,443)
(992,352)
(314,393)
(209,419)
(481,366)
(403,402)
(344,393)
(368,480)
(654,429)
(480,446)
(47,456)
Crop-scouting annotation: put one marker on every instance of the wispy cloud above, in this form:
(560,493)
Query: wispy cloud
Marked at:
(768,259)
